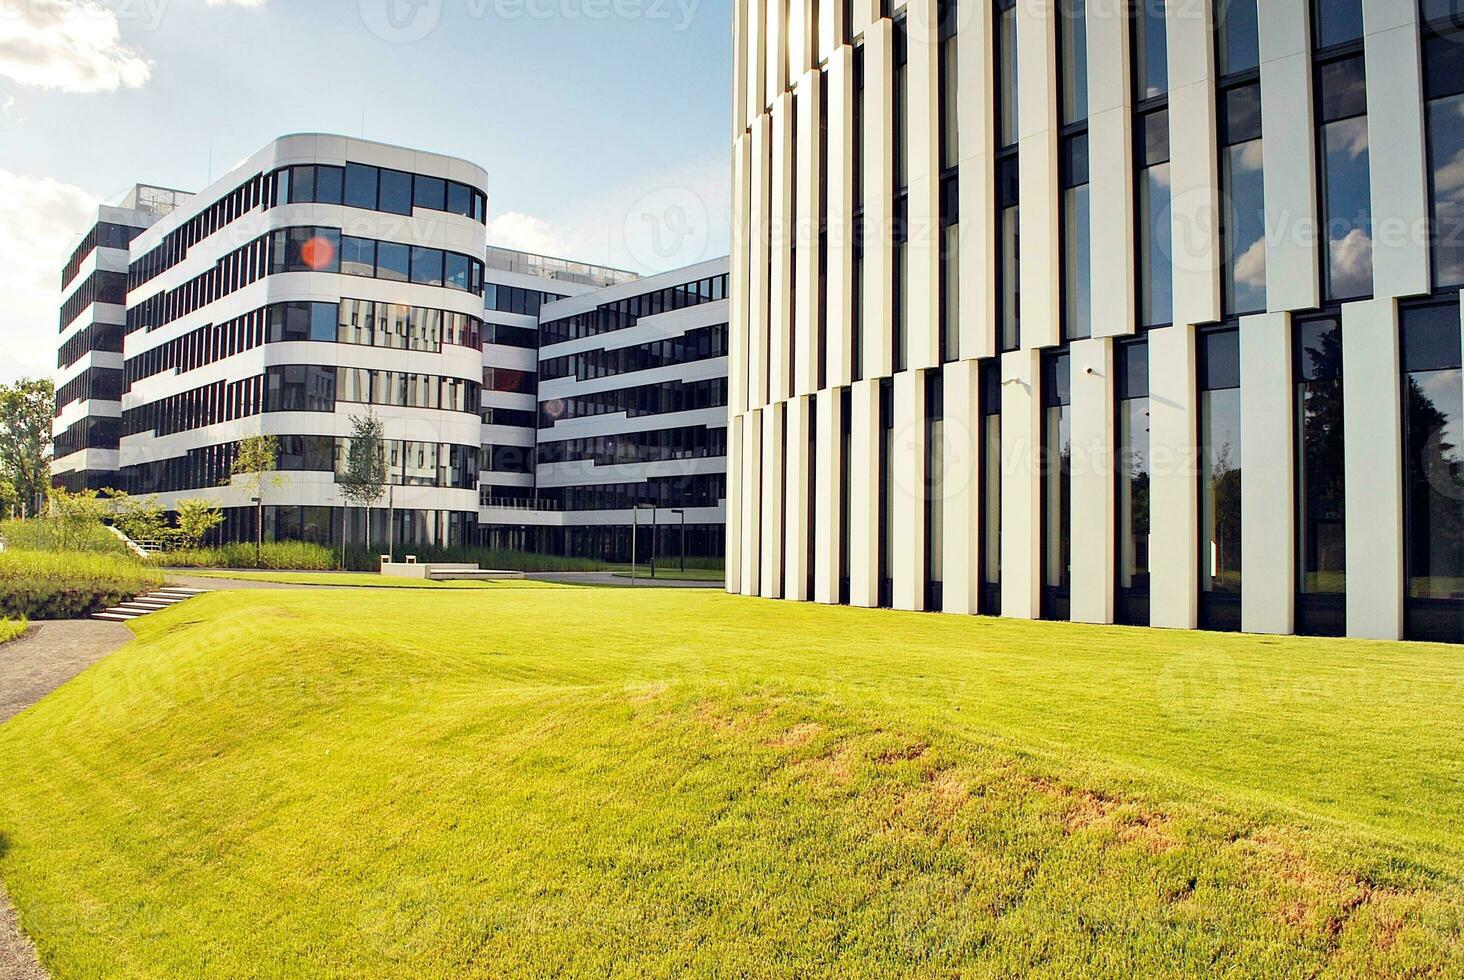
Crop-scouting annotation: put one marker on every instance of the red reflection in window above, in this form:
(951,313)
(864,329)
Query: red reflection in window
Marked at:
(317,253)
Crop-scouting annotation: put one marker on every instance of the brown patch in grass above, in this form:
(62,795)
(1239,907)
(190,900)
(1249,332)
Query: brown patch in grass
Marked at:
(948,793)
(797,736)
(908,753)
(1324,903)
(725,720)
(834,765)
(1130,822)
(645,693)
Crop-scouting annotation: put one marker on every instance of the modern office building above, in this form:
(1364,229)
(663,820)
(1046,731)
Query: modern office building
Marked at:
(89,352)
(1116,312)
(631,413)
(324,278)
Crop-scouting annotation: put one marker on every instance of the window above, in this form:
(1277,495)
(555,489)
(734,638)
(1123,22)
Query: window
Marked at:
(1006,72)
(396,192)
(1320,478)
(1237,29)
(460,199)
(328,184)
(1345,189)
(1151,50)
(360,189)
(1338,21)
(426,266)
(457,271)
(950,155)
(991,471)
(1057,486)
(300,388)
(392,261)
(1445,10)
(358,256)
(1444,90)
(1008,265)
(935,490)
(950,271)
(887,490)
(1077,262)
(1243,234)
(430,193)
(1220,484)
(1433,410)
(1156,275)
(1073,44)
(1132,392)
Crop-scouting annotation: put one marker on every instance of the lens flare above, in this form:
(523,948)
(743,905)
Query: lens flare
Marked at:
(317,253)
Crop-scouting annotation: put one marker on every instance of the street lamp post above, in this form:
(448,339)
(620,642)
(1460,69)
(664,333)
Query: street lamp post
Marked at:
(682,514)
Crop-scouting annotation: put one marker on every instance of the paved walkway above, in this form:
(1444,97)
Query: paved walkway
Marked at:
(49,655)
(612,578)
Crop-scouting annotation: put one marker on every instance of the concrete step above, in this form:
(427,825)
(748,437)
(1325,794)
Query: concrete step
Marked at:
(146,604)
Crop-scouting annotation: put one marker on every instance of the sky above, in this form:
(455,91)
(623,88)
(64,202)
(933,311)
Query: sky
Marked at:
(603,124)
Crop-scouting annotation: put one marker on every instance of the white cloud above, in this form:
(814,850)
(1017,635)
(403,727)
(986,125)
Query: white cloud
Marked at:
(526,233)
(41,220)
(664,221)
(76,45)
(1352,264)
(1250,268)
(71,45)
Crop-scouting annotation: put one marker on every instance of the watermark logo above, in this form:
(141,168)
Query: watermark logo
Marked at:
(401,21)
(666,227)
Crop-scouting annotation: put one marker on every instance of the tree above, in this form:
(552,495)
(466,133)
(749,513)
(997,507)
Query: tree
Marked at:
(9,499)
(26,410)
(75,516)
(254,470)
(364,481)
(140,518)
(197,517)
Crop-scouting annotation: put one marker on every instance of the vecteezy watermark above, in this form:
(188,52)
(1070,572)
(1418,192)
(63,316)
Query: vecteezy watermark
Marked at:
(401,21)
(673,223)
(147,15)
(406,21)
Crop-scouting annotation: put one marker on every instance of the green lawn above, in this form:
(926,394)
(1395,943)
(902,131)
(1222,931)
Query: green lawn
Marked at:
(614,782)
(365,580)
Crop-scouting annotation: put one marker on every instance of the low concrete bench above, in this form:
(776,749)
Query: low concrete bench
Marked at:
(443,571)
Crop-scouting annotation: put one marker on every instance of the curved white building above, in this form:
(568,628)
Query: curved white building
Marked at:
(1113,311)
(320,278)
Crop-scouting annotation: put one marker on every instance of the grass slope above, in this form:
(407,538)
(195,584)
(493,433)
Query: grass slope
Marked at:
(614,782)
(364,580)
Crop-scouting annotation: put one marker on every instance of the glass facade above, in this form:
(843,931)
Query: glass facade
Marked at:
(1077,260)
(1057,486)
(1433,410)
(1220,478)
(1321,503)
(1444,92)
(991,471)
(1344,178)
(1133,472)
(1150,50)
(1242,192)
(1155,268)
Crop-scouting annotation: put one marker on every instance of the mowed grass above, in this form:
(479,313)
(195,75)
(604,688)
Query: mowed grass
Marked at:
(367,580)
(611,782)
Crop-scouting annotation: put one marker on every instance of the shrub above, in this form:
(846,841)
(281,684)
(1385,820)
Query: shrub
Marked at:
(279,556)
(12,629)
(43,534)
(69,585)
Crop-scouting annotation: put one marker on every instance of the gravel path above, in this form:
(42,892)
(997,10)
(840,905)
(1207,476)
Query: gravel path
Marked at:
(49,655)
